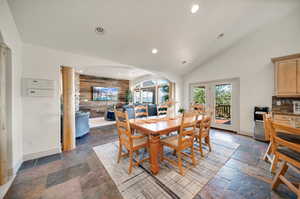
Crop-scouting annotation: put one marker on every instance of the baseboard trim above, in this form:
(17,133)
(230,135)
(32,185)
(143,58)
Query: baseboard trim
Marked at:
(4,188)
(31,156)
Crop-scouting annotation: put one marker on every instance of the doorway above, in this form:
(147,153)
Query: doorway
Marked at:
(222,100)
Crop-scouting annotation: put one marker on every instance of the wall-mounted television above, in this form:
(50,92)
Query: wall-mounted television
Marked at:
(105,94)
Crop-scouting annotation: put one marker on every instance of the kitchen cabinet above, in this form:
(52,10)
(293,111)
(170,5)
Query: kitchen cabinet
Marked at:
(289,120)
(287,75)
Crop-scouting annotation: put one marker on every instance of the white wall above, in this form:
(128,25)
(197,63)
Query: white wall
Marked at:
(249,59)
(12,39)
(42,115)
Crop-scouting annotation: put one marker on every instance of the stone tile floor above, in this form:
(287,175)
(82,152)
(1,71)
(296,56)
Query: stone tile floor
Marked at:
(79,174)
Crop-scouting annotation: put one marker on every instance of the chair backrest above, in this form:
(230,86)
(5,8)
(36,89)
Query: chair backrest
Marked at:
(162,109)
(267,125)
(141,111)
(124,130)
(198,107)
(187,128)
(205,125)
(278,141)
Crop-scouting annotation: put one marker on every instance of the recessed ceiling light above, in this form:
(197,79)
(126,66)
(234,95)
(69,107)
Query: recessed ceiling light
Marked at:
(154,51)
(195,8)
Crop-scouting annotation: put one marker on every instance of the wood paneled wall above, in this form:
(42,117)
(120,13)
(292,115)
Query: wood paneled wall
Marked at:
(97,108)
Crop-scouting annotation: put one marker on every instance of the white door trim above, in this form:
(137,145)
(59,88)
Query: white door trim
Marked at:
(235,108)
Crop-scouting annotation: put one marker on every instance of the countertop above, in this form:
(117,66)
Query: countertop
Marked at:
(285,113)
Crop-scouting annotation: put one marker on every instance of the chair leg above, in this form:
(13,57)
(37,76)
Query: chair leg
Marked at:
(268,152)
(207,140)
(174,152)
(282,171)
(138,155)
(130,161)
(200,146)
(161,152)
(120,152)
(180,163)
(274,164)
(193,155)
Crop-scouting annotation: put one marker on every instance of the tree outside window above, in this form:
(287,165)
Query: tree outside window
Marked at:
(199,95)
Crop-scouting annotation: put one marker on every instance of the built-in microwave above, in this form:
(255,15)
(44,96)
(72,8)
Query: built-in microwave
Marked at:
(296,107)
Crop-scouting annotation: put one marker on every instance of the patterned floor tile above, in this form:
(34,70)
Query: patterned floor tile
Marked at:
(80,174)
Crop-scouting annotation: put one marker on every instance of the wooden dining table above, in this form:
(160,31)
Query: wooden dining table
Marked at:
(154,128)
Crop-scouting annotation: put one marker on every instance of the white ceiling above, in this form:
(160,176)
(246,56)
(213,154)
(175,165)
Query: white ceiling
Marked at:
(117,72)
(134,27)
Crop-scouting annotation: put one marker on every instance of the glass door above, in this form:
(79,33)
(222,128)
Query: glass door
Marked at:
(221,99)
(199,94)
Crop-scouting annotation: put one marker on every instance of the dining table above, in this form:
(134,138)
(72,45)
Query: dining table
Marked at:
(154,128)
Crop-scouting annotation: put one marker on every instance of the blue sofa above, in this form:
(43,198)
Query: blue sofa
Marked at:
(82,123)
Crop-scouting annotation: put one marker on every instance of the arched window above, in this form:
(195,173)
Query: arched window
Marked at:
(152,91)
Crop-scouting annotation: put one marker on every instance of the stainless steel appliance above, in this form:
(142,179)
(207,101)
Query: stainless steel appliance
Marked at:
(259,131)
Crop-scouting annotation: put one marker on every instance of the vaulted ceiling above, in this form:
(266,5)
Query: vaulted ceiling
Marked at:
(134,27)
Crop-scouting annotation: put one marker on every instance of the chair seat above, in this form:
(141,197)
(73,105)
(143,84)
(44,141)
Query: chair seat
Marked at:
(290,153)
(288,137)
(172,141)
(140,142)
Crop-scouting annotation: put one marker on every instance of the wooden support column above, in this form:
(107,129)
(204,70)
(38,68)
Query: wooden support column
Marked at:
(68,79)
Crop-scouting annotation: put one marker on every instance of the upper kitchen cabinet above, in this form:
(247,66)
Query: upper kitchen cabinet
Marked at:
(287,75)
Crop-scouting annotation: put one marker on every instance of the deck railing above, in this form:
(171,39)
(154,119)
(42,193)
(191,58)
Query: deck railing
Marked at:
(223,111)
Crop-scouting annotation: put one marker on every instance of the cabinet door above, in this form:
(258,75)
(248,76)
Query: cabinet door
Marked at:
(287,78)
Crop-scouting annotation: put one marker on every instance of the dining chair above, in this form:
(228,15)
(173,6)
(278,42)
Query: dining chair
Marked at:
(162,109)
(203,133)
(198,107)
(267,117)
(286,151)
(183,141)
(141,111)
(131,142)
(283,135)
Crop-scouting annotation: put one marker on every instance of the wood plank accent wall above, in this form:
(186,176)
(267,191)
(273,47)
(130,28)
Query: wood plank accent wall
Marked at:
(97,108)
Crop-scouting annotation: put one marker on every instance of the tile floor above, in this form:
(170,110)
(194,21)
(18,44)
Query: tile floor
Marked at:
(79,174)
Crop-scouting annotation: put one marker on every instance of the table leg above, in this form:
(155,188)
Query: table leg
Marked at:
(154,153)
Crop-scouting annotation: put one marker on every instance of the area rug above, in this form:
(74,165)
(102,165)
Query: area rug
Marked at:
(168,183)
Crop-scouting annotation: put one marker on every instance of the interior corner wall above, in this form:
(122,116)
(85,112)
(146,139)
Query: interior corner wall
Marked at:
(12,39)
(41,115)
(250,60)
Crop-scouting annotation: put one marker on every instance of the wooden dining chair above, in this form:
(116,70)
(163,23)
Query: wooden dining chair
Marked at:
(131,142)
(198,107)
(184,140)
(141,111)
(203,133)
(286,151)
(162,109)
(269,155)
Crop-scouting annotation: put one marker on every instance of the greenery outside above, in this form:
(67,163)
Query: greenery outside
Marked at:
(199,95)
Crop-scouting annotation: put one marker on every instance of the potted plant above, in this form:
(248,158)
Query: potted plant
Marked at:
(128,96)
(181,110)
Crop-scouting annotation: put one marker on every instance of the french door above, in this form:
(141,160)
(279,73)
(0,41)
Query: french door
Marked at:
(221,98)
